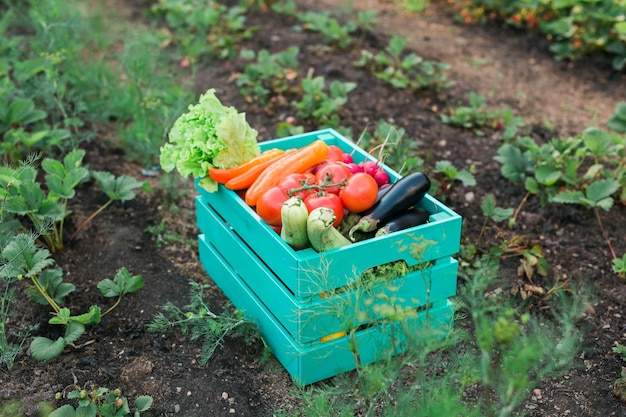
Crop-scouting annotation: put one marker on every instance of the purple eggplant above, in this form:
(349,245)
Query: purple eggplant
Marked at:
(411,218)
(403,194)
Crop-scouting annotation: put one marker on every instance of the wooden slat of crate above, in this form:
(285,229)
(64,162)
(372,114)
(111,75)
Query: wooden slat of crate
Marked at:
(311,363)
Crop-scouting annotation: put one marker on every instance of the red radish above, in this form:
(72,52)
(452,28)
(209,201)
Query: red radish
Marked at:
(347,158)
(381,177)
(370,167)
(354,168)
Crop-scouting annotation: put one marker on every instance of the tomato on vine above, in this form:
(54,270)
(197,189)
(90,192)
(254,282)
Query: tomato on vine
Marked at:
(359,193)
(332,173)
(295,181)
(328,200)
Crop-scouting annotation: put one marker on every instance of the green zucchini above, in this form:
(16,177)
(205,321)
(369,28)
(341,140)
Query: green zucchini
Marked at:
(294,216)
(321,232)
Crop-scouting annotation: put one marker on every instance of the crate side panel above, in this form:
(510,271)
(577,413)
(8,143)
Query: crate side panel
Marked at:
(313,363)
(312,318)
(300,269)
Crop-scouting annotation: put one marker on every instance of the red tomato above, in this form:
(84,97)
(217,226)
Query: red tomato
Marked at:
(335,153)
(360,192)
(269,204)
(293,181)
(332,173)
(331,201)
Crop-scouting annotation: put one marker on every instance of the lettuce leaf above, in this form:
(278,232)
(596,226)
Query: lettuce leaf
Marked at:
(208,135)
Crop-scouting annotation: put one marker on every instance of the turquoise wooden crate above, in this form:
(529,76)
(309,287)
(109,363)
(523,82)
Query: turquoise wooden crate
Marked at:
(308,320)
(314,362)
(299,270)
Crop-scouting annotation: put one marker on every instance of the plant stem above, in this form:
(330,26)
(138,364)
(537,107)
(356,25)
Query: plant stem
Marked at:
(604,233)
(59,230)
(520,205)
(45,294)
(117,302)
(482,229)
(90,218)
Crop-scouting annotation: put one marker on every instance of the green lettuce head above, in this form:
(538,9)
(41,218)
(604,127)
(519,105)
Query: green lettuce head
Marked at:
(208,135)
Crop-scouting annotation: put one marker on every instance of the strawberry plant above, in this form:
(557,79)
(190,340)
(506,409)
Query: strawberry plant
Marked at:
(11,341)
(575,28)
(204,29)
(617,122)
(47,208)
(25,261)
(43,348)
(587,170)
(25,119)
(400,153)
(99,401)
(270,77)
(336,32)
(475,116)
(619,266)
(404,70)
(320,104)
(446,175)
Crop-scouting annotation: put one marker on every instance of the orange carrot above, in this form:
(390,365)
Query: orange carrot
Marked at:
(245,179)
(298,161)
(223,175)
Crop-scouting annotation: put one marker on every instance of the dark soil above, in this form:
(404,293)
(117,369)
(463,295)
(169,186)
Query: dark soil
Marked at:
(510,67)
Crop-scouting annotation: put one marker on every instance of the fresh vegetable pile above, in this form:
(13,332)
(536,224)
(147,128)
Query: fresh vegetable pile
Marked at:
(317,196)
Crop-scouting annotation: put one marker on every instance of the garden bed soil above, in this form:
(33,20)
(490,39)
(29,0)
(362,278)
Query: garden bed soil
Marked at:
(511,68)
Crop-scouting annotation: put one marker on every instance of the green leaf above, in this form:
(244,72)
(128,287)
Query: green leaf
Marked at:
(597,141)
(466,177)
(19,109)
(63,411)
(605,203)
(547,175)
(617,122)
(32,196)
(25,257)
(62,317)
(446,168)
(601,189)
(593,171)
(74,159)
(123,283)
(143,403)
(396,46)
(73,332)
(489,209)
(43,349)
(63,178)
(35,137)
(93,316)
(118,189)
(53,167)
(52,281)
(569,197)
(619,266)
(108,288)
(128,283)
(515,164)
(531,185)
(89,410)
